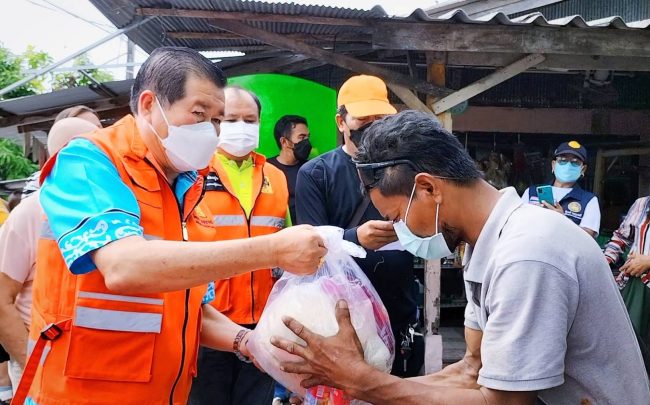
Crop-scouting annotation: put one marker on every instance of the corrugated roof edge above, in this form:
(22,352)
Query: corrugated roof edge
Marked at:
(536,19)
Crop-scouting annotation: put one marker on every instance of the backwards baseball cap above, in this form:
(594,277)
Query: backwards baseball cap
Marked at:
(572,148)
(365,95)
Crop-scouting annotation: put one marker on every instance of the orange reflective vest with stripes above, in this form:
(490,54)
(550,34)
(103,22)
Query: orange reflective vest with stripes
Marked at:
(242,298)
(119,348)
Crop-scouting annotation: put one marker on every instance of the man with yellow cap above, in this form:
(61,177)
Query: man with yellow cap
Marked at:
(569,199)
(328,193)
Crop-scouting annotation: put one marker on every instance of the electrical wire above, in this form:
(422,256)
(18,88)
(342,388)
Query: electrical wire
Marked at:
(103,27)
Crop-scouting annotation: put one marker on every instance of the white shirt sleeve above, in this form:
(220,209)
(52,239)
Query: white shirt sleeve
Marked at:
(470,317)
(591,217)
(531,308)
(525,197)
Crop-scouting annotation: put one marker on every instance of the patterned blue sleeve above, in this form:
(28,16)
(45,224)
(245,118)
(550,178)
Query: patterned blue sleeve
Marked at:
(87,204)
(209,294)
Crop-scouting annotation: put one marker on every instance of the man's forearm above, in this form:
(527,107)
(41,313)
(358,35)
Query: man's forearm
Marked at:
(218,331)
(379,388)
(13,333)
(458,375)
(130,264)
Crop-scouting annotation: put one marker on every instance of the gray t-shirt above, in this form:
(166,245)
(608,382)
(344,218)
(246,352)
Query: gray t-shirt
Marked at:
(553,320)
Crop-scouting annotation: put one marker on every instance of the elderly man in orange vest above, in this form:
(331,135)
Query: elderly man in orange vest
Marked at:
(248,198)
(119,292)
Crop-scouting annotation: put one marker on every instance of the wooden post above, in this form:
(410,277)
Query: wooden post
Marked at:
(27,147)
(432,339)
(599,174)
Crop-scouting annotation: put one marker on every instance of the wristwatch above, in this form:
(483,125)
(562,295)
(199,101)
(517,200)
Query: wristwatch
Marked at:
(235,345)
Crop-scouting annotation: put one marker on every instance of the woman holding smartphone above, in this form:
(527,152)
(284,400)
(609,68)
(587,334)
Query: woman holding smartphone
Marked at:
(565,195)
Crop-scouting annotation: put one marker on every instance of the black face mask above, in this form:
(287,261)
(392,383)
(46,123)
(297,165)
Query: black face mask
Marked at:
(301,150)
(357,134)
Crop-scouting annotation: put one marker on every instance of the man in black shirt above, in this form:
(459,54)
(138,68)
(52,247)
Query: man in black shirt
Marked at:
(328,192)
(292,136)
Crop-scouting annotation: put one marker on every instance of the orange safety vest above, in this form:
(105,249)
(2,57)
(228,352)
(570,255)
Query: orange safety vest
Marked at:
(118,348)
(242,298)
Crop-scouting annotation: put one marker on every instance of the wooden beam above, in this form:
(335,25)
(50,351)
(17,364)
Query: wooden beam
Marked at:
(249,16)
(265,66)
(436,74)
(409,98)
(626,152)
(432,337)
(37,117)
(344,37)
(487,82)
(301,66)
(565,121)
(599,174)
(344,61)
(553,62)
(511,39)
(251,57)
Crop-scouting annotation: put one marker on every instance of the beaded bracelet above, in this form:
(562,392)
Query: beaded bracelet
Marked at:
(235,345)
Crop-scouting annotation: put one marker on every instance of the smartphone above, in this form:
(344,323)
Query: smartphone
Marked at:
(545,193)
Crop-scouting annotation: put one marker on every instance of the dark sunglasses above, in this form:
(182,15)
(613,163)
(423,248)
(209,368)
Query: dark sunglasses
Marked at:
(368,172)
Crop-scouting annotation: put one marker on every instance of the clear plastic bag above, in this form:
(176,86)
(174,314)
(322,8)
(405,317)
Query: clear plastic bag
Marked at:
(312,299)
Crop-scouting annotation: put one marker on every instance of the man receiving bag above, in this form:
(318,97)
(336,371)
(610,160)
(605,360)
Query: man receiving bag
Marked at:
(311,300)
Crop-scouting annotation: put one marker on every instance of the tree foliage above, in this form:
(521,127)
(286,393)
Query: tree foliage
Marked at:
(13,165)
(15,67)
(12,69)
(73,79)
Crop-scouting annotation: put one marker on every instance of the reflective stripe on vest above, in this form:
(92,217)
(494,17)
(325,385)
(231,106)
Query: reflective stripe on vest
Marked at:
(151,237)
(123,321)
(124,298)
(273,222)
(229,220)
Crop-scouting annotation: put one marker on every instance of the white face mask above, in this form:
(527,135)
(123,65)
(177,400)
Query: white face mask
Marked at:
(188,147)
(430,248)
(239,138)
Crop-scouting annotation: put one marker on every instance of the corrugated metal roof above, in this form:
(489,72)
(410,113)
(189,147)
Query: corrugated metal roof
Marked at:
(62,98)
(151,35)
(154,34)
(534,19)
(629,10)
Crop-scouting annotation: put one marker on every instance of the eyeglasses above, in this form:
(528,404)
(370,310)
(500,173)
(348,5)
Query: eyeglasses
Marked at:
(563,160)
(368,172)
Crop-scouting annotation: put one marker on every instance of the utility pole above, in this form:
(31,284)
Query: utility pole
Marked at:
(130,51)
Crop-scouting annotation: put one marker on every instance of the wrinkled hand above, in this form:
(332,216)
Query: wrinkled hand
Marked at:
(557,207)
(330,361)
(298,249)
(374,234)
(636,265)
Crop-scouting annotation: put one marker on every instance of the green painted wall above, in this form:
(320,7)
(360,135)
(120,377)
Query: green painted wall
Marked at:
(281,95)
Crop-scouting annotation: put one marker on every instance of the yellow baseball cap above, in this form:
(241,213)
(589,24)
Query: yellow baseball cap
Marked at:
(365,95)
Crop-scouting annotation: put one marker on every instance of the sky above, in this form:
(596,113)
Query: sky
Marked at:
(62,27)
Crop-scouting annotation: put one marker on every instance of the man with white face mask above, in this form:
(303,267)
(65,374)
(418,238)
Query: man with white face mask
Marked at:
(125,256)
(247,197)
(544,318)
